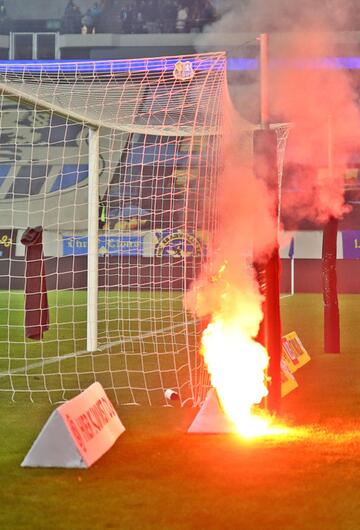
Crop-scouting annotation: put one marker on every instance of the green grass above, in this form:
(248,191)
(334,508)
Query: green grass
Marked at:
(138,335)
(158,477)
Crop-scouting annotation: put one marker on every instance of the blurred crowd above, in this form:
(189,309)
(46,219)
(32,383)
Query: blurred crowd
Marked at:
(139,16)
(4,19)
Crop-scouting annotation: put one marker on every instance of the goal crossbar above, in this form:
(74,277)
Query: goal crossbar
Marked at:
(14,93)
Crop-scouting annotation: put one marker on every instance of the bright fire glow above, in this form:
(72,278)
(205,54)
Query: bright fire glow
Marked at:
(237,365)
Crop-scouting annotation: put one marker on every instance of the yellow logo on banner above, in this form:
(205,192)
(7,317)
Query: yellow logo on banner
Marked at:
(5,241)
(178,245)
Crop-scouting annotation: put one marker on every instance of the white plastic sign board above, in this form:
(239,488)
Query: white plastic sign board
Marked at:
(211,419)
(77,433)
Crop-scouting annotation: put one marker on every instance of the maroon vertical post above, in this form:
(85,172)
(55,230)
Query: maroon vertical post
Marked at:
(330,296)
(329,273)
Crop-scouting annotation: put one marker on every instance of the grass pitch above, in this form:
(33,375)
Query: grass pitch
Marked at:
(138,335)
(158,477)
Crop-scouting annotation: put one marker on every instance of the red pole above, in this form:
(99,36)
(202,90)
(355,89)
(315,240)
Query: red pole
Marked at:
(265,119)
(272,316)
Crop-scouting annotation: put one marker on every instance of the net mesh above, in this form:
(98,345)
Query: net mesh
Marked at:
(158,122)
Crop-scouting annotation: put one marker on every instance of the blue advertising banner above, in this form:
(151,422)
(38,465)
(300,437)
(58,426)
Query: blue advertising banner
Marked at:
(351,244)
(124,245)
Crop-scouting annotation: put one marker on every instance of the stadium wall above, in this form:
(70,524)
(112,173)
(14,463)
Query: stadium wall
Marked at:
(70,273)
(308,276)
(175,273)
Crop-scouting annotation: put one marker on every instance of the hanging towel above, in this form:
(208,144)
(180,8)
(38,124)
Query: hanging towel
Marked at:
(36,300)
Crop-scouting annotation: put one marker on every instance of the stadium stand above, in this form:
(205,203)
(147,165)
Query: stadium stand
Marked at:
(110,16)
(138,16)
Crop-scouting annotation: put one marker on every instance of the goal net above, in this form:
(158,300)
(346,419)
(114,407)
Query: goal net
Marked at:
(108,178)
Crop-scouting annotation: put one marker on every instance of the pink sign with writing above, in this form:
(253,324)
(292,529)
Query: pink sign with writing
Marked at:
(92,422)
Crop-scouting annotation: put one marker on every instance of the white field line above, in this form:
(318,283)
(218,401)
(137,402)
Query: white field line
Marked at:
(52,360)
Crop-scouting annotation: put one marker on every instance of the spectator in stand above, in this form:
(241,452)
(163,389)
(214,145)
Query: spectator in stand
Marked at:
(195,17)
(169,13)
(110,19)
(152,16)
(181,20)
(95,12)
(4,20)
(87,22)
(208,13)
(125,21)
(71,21)
(140,9)
(77,19)
(131,17)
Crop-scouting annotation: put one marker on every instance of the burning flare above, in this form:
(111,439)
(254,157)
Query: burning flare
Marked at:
(237,364)
(230,302)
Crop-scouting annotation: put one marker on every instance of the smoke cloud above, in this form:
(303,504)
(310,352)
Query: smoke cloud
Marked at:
(319,102)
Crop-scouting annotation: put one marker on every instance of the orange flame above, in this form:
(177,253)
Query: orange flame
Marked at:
(237,365)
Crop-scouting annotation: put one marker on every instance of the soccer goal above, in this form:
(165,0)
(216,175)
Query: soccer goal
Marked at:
(113,166)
